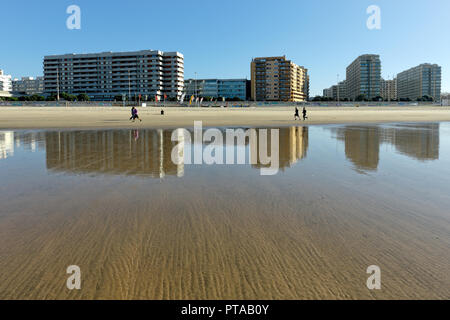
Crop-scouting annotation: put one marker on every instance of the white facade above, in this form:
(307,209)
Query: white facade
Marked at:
(5,82)
(106,75)
(28,85)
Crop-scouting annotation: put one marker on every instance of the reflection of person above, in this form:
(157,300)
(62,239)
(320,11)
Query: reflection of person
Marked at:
(304,114)
(136,135)
(296,115)
(134,114)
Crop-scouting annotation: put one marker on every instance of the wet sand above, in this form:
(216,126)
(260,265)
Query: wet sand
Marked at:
(225,232)
(117,117)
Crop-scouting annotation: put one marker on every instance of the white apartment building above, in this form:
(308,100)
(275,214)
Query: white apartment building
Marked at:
(106,75)
(5,82)
(28,85)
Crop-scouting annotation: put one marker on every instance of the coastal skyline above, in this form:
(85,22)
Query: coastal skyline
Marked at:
(324,37)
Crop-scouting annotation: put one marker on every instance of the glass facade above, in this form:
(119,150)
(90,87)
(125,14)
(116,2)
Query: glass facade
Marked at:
(215,88)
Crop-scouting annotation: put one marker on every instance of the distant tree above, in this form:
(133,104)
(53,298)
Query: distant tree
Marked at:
(377,98)
(361,97)
(36,97)
(83,97)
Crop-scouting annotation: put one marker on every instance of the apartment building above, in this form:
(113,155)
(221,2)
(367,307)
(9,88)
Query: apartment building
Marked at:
(28,85)
(388,89)
(363,77)
(278,79)
(215,88)
(420,81)
(103,76)
(5,82)
(333,91)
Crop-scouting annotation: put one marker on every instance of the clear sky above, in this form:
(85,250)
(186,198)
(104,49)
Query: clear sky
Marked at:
(219,38)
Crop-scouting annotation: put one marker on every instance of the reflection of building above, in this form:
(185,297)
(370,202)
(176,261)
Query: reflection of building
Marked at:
(293,146)
(362,144)
(420,144)
(132,152)
(6,144)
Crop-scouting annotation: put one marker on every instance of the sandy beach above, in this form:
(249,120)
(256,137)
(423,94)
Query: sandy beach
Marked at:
(118,117)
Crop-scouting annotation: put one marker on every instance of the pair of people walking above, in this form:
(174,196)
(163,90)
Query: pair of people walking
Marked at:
(297,115)
(134,114)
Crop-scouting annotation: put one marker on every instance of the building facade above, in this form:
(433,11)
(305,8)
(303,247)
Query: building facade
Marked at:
(333,91)
(5,82)
(420,81)
(28,85)
(363,77)
(389,89)
(217,88)
(278,79)
(103,76)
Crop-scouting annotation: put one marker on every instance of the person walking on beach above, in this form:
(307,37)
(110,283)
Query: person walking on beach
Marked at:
(304,114)
(296,115)
(134,114)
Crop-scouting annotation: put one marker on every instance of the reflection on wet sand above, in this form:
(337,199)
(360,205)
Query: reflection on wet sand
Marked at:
(225,232)
(362,143)
(29,141)
(131,152)
(293,142)
(145,152)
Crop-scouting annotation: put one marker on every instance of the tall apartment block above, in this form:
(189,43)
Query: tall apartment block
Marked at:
(278,79)
(215,88)
(28,85)
(103,76)
(5,82)
(388,89)
(363,77)
(423,80)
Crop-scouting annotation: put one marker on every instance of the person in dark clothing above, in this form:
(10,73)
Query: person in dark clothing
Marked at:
(134,114)
(296,115)
(304,114)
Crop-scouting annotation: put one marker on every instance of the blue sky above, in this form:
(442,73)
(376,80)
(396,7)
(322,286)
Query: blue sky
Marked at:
(219,38)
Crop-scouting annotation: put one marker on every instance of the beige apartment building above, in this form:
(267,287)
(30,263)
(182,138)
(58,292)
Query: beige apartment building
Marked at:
(278,79)
(388,89)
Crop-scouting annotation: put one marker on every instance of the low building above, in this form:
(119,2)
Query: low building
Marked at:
(215,88)
(336,92)
(28,85)
(5,82)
